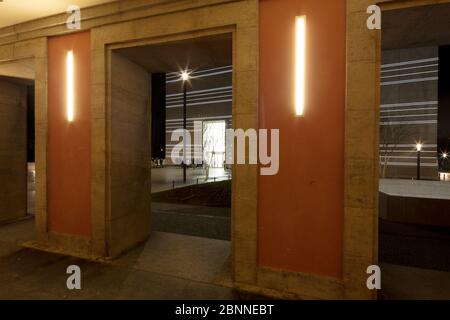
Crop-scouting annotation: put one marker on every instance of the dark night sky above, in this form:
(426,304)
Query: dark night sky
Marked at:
(444,106)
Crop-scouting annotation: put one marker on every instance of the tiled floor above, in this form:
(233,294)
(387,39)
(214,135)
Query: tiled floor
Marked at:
(208,222)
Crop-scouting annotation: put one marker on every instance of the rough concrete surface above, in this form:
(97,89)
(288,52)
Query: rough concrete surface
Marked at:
(168,266)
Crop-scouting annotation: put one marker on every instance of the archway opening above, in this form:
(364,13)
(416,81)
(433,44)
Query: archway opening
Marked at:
(414,225)
(17,151)
(185,208)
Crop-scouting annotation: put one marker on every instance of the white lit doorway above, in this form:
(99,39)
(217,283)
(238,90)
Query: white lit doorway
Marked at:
(214,143)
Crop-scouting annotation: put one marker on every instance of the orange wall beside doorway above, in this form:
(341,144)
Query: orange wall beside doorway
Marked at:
(300,226)
(69,144)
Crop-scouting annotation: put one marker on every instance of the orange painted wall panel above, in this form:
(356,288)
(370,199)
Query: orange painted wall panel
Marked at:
(69,143)
(301,209)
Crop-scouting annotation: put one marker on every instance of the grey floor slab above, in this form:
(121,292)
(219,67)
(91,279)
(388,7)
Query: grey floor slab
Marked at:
(168,266)
(403,282)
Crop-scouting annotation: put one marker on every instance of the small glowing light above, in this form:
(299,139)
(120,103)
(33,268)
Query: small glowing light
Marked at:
(185,76)
(300,64)
(70,86)
(419,146)
(445,155)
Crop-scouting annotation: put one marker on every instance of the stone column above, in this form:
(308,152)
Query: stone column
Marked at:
(129,223)
(13,151)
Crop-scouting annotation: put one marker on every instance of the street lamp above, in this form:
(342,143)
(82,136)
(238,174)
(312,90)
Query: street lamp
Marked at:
(185,76)
(419,147)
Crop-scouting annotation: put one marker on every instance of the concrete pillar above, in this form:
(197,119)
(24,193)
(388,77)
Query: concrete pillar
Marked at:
(130,183)
(13,151)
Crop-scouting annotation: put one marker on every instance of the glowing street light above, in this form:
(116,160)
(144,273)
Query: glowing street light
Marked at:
(419,146)
(444,155)
(185,76)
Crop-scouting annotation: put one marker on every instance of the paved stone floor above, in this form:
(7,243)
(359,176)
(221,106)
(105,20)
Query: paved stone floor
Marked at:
(404,282)
(414,261)
(208,222)
(174,266)
(414,245)
(168,266)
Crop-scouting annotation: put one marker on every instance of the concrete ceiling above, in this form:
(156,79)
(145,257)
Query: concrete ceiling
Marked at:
(24,82)
(23,69)
(200,53)
(416,27)
(17,11)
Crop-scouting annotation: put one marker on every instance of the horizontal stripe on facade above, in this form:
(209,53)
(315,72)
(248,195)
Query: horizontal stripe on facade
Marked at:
(407,63)
(177,75)
(409,164)
(392,123)
(409,74)
(390,83)
(411,68)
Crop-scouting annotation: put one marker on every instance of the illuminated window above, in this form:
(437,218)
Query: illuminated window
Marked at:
(214,143)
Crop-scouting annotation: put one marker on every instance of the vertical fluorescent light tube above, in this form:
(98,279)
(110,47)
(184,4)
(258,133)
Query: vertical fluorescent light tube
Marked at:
(70,84)
(300,64)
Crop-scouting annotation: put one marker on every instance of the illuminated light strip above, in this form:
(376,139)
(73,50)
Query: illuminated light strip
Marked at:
(203,98)
(172,75)
(404,151)
(405,63)
(70,86)
(199,103)
(406,157)
(410,68)
(409,164)
(300,64)
(389,83)
(201,119)
(200,91)
(391,123)
(229,92)
(409,104)
(410,115)
(409,74)
(402,110)
(202,76)
(405,145)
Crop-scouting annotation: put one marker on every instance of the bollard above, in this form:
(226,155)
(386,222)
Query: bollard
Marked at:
(173,185)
